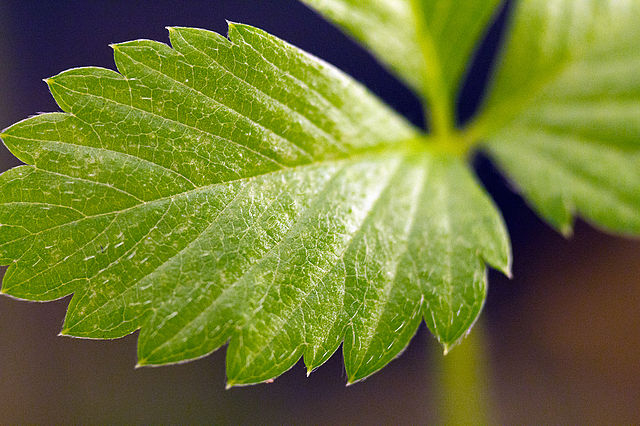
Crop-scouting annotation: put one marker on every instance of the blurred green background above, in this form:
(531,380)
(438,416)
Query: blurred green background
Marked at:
(561,340)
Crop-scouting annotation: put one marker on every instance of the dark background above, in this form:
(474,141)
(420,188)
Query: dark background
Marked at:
(562,338)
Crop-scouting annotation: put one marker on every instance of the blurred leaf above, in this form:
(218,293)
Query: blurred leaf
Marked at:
(396,31)
(563,117)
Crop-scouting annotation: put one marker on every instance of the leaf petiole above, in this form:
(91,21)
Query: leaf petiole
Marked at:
(437,103)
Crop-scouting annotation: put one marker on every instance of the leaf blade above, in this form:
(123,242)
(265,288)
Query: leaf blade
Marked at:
(579,92)
(203,213)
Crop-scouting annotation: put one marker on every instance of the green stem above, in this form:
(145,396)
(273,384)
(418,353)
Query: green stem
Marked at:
(437,99)
(462,383)
(438,108)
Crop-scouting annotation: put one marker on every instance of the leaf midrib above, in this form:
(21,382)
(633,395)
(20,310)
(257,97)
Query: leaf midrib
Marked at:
(417,196)
(381,150)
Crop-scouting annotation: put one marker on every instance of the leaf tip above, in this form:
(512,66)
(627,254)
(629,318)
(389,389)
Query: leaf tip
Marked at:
(505,266)
(229,385)
(507,270)
(64,332)
(566,230)
(232,26)
(446,348)
(354,378)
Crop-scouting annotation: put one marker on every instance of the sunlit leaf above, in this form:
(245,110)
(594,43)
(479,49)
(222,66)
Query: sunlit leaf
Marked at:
(241,190)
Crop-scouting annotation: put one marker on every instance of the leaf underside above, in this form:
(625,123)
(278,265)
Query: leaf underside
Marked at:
(239,190)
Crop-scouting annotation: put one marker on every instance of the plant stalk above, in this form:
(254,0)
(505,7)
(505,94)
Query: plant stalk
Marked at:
(462,382)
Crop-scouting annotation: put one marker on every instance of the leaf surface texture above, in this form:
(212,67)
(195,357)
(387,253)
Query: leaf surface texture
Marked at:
(240,190)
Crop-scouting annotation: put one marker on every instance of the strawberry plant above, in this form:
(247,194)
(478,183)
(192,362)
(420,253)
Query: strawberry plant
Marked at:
(239,190)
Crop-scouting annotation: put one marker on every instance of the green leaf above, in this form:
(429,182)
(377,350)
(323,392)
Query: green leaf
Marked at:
(240,190)
(446,33)
(563,118)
